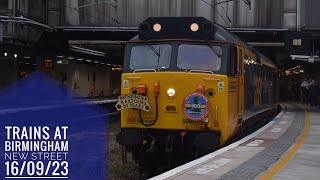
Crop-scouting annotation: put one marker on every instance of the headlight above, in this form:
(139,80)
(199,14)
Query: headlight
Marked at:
(171,92)
(194,27)
(157,27)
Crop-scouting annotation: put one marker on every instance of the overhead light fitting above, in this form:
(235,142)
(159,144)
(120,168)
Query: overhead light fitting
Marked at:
(63,62)
(87,51)
(310,59)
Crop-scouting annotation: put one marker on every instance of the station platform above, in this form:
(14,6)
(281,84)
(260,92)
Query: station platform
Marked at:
(57,104)
(288,147)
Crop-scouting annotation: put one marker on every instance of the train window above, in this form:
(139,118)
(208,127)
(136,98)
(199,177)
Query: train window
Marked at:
(150,56)
(199,57)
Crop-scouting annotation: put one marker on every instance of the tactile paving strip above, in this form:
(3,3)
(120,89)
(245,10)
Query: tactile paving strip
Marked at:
(264,160)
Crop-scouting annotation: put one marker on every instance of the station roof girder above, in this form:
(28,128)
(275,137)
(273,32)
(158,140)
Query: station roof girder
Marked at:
(108,39)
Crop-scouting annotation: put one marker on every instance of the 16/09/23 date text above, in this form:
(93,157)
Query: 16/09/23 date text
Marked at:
(36,169)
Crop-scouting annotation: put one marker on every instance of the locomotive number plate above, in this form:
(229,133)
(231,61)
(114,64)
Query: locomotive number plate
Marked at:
(129,101)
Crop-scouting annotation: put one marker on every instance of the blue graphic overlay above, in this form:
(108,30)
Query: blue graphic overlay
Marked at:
(196,106)
(46,133)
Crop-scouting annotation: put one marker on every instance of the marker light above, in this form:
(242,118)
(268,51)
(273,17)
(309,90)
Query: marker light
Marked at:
(194,27)
(157,27)
(5,54)
(171,92)
(15,55)
(142,89)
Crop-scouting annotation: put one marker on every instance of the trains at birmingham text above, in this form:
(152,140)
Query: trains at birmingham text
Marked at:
(188,87)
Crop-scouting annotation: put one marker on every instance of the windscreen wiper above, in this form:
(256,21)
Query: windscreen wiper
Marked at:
(159,59)
(153,49)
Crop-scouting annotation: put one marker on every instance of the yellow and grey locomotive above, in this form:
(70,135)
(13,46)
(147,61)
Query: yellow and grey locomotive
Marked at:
(188,86)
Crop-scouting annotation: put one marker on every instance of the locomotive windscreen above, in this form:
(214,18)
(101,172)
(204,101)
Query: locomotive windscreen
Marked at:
(199,57)
(150,56)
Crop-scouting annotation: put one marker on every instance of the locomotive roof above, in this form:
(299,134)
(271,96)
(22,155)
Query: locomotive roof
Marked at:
(180,28)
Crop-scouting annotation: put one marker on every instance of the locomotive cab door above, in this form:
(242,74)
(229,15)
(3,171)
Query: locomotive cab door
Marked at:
(240,70)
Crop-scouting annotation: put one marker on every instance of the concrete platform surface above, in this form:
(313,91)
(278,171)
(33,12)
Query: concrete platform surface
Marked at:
(282,149)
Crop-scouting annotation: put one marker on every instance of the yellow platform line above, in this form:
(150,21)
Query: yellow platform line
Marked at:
(289,155)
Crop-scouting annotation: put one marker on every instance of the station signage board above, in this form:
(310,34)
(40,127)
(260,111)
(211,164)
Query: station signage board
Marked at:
(298,43)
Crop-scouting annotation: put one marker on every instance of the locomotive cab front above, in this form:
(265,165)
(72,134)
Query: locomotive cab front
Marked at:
(182,88)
